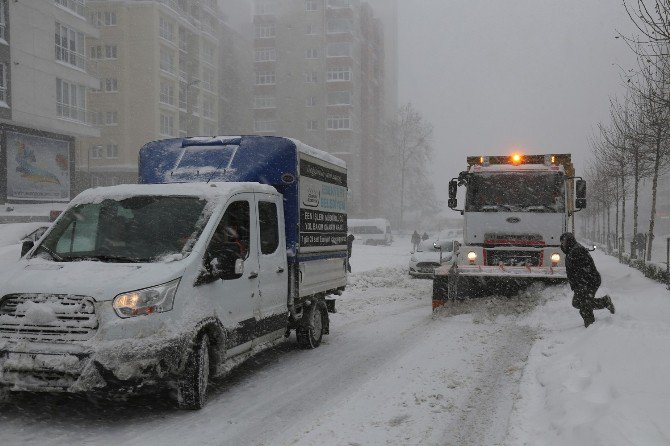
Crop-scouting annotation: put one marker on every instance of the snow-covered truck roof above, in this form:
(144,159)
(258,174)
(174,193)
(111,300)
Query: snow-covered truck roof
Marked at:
(520,163)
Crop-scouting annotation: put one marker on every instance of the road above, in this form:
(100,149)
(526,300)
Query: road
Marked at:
(391,372)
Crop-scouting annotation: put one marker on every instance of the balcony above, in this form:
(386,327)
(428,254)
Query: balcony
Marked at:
(76,6)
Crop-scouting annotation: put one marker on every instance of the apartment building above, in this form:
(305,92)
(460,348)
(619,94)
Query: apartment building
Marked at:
(319,77)
(44,77)
(235,81)
(158,63)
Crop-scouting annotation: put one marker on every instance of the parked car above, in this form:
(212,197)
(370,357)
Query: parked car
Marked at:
(431,254)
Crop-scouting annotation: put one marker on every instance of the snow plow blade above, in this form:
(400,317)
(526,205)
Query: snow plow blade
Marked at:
(465,281)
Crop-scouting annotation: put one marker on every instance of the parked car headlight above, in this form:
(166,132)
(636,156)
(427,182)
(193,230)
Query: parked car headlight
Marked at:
(155,299)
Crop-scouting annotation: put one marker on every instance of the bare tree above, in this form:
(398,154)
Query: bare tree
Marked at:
(410,144)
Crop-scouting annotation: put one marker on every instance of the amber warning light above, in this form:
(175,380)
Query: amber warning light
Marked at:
(516,158)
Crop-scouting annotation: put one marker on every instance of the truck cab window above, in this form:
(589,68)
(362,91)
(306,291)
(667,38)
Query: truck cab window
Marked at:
(232,233)
(267,216)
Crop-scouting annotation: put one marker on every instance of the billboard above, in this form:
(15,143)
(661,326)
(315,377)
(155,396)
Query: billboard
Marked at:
(38,167)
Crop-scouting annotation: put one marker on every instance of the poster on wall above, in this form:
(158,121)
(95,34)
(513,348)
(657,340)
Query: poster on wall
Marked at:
(38,168)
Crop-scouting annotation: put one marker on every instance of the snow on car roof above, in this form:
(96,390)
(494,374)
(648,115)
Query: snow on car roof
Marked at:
(208,191)
(316,153)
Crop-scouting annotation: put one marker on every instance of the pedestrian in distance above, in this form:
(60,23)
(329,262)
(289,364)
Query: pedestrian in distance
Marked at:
(350,244)
(416,239)
(641,243)
(584,279)
(424,236)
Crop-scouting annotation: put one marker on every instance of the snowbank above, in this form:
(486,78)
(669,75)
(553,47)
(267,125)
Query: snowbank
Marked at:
(605,385)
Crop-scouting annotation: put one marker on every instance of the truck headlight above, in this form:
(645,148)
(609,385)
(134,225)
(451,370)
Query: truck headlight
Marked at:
(472,257)
(155,299)
(555,259)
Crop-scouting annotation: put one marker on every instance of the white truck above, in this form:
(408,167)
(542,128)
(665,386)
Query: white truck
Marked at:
(371,231)
(516,208)
(169,282)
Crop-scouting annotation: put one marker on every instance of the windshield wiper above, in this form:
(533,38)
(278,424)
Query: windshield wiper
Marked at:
(110,258)
(538,207)
(52,254)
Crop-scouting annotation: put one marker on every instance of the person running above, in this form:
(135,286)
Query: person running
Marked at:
(584,279)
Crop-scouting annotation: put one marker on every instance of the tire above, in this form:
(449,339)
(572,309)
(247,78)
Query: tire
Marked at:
(310,332)
(192,388)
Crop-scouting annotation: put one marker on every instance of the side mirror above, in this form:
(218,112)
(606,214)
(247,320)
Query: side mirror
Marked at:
(453,190)
(26,246)
(580,202)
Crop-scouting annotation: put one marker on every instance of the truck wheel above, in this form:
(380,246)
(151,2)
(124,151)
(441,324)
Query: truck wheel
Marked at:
(192,390)
(310,332)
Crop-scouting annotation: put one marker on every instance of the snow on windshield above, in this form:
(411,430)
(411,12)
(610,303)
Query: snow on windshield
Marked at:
(527,192)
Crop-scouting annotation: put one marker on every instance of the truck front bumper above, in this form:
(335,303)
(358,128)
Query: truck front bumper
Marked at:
(502,272)
(113,365)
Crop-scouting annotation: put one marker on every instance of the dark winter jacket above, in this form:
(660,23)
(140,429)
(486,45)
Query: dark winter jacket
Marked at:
(582,272)
(350,244)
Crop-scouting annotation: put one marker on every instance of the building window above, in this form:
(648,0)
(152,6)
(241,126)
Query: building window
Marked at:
(3,21)
(310,101)
(96,52)
(103,18)
(338,74)
(111,85)
(338,123)
(339,26)
(312,53)
(95,152)
(311,77)
(265,55)
(110,51)
(70,46)
(112,118)
(311,30)
(166,92)
(112,151)
(76,6)
(209,129)
(265,31)
(264,126)
(265,7)
(167,125)
(208,79)
(96,118)
(339,49)
(167,60)
(70,101)
(166,29)
(265,78)
(264,102)
(208,107)
(339,98)
(208,53)
(312,125)
(339,4)
(311,5)
(3,83)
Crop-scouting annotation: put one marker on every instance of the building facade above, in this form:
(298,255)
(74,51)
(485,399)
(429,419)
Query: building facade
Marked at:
(319,77)
(44,74)
(158,63)
(235,82)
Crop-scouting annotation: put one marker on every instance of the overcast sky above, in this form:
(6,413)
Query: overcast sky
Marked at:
(496,74)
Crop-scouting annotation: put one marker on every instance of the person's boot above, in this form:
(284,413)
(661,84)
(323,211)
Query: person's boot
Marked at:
(588,322)
(608,303)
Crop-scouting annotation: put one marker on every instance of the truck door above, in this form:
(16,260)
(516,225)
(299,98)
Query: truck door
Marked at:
(273,274)
(235,300)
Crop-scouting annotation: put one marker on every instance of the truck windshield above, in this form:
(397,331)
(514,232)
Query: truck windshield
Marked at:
(136,229)
(519,192)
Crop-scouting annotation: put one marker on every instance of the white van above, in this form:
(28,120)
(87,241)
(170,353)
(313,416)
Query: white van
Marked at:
(372,231)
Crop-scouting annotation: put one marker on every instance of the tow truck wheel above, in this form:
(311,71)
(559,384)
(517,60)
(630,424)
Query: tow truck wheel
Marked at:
(310,332)
(192,390)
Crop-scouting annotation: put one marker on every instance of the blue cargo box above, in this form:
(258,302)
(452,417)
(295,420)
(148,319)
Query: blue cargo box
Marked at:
(313,182)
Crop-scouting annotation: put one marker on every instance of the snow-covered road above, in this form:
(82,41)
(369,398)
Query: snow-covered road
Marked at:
(489,371)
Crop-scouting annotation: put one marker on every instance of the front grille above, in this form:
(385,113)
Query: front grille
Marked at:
(513,258)
(497,238)
(427,265)
(47,317)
